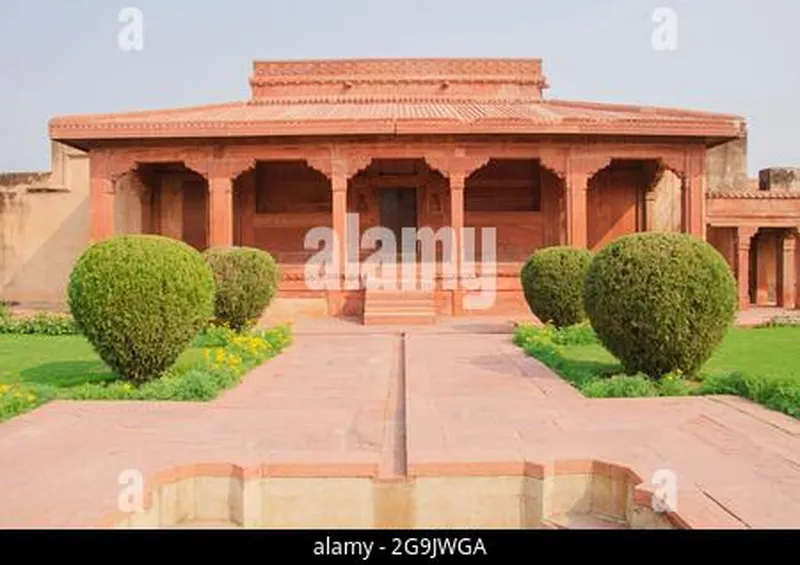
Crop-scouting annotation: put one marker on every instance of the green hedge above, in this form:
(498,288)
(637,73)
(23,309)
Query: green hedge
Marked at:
(660,302)
(141,300)
(246,281)
(552,281)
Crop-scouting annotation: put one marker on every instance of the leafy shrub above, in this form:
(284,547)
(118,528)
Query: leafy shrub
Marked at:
(660,302)
(221,368)
(17,398)
(778,394)
(552,282)
(43,323)
(141,300)
(246,279)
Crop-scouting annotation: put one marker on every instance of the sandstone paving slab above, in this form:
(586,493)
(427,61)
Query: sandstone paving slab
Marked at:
(321,403)
(732,453)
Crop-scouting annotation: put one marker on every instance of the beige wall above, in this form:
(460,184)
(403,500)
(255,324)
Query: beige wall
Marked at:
(726,166)
(44,226)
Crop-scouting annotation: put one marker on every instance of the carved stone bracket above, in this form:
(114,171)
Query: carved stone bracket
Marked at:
(587,164)
(336,165)
(219,167)
(744,236)
(456,165)
(107,165)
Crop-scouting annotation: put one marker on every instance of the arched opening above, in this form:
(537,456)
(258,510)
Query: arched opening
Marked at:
(506,195)
(166,199)
(619,202)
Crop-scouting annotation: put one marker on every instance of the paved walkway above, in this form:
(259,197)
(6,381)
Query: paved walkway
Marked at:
(450,399)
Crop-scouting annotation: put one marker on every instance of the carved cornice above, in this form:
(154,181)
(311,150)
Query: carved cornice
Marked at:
(753,195)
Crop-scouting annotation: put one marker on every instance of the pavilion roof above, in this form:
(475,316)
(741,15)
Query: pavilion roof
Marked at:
(397,97)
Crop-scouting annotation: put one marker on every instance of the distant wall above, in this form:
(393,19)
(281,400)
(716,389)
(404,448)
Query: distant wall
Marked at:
(44,226)
(726,166)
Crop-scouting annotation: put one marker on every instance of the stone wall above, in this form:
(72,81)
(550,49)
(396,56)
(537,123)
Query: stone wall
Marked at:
(726,166)
(44,226)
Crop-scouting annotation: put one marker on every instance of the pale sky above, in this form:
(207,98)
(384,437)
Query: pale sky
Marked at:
(734,56)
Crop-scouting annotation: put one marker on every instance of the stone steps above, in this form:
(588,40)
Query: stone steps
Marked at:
(404,307)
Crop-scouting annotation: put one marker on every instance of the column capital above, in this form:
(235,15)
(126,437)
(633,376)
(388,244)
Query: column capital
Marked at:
(456,164)
(586,164)
(110,165)
(220,167)
(336,164)
(745,235)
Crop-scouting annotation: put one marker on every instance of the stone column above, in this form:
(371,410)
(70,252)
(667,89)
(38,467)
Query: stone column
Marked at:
(650,210)
(457,183)
(577,224)
(339,210)
(220,172)
(102,203)
(103,175)
(787,271)
(220,211)
(694,194)
(744,236)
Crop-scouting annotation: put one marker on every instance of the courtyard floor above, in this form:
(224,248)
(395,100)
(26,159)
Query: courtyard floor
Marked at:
(457,399)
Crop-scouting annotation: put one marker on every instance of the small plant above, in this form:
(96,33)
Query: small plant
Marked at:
(552,282)
(246,281)
(43,323)
(141,300)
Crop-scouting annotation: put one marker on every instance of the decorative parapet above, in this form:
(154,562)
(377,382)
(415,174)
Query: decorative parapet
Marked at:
(753,195)
(398,79)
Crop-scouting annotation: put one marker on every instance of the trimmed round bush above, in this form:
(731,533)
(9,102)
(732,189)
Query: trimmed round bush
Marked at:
(552,281)
(141,300)
(660,302)
(246,280)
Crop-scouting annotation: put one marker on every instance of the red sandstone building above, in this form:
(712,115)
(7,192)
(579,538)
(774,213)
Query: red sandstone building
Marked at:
(432,142)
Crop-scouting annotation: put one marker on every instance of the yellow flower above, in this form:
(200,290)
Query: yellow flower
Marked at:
(31,398)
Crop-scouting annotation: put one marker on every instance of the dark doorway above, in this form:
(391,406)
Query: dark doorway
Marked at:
(398,211)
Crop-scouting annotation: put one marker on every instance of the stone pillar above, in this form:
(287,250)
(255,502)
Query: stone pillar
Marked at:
(457,183)
(694,194)
(650,210)
(577,184)
(339,209)
(220,172)
(220,211)
(787,271)
(744,237)
(102,202)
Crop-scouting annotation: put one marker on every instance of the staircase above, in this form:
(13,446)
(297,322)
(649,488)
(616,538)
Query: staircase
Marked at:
(399,307)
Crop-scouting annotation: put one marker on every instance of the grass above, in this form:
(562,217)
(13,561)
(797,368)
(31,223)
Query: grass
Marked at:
(60,361)
(40,368)
(762,364)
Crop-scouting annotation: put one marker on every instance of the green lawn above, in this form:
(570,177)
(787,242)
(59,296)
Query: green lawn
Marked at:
(769,352)
(762,364)
(59,361)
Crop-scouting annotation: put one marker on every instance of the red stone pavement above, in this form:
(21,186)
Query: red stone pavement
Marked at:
(448,399)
